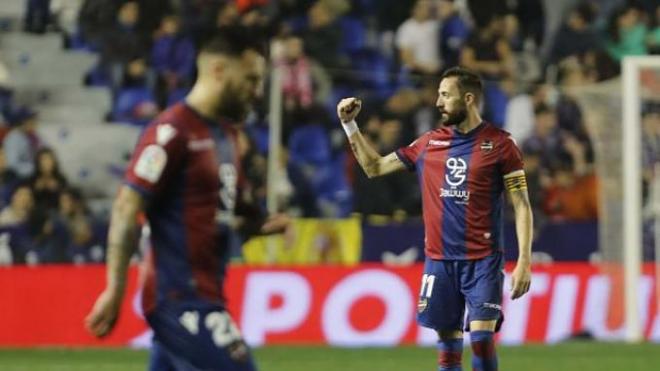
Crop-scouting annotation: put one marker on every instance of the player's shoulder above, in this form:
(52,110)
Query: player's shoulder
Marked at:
(175,116)
(174,122)
(498,135)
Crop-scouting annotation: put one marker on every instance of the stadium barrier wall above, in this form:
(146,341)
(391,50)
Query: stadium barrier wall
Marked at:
(368,305)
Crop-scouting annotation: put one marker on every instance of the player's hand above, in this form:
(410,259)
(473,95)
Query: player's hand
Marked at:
(276,223)
(100,321)
(521,279)
(348,109)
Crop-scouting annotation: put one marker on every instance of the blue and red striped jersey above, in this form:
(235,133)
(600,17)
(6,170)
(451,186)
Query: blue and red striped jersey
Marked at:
(461,179)
(187,169)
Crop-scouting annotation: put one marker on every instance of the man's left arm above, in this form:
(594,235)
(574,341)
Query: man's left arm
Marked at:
(516,186)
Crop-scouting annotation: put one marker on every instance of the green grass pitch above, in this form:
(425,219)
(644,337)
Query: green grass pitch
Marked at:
(563,357)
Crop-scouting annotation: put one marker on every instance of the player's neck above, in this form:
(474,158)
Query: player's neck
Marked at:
(472,120)
(202,102)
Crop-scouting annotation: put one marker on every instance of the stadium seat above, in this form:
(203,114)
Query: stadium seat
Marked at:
(177,95)
(309,144)
(129,102)
(353,34)
(374,72)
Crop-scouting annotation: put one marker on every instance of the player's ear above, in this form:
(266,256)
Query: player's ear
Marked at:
(468,98)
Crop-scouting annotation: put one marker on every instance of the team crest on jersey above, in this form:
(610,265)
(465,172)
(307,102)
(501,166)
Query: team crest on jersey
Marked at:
(486,145)
(422,304)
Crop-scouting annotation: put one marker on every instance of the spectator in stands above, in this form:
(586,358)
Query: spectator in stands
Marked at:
(151,14)
(78,223)
(297,89)
(22,142)
(520,110)
(37,16)
(653,39)
(488,52)
(47,182)
(626,33)
(173,55)
(124,47)
(402,105)
(576,36)
(572,74)
(453,32)
(303,80)
(64,15)
(538,179)
(571,196)
(20,207)
(546,139)
(323,35)
(417,40)
(95,19)
(8,179)
(650,145)
(393,196)
(531,17)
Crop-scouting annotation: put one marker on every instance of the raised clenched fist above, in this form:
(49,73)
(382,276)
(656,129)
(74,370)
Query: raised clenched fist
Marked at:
(348,109)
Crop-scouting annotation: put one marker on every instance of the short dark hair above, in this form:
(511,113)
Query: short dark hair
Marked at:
(231,42)
(466,80)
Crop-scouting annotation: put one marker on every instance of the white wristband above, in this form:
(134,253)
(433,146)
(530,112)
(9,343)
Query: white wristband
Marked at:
(350,128)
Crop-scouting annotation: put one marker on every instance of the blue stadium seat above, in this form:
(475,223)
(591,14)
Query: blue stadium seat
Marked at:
(309,144)
(354,34)
(128,101)
(317,173)
(177,95)
(375,72)
(97,76)
(259,135)
(496,101)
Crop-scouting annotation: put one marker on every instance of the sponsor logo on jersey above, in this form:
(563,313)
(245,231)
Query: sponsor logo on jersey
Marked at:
(462,195)
(456,171)
(486,145)
(439,143)
(492,306)
(456,174)
(201,145)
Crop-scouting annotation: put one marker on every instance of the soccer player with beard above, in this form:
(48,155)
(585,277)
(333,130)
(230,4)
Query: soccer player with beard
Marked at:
(185,175)
(463,169)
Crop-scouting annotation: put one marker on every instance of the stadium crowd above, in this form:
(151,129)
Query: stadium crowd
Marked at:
(388,52)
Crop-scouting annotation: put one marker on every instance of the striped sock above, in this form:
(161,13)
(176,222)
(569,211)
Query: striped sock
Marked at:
(450,352)
(484,357)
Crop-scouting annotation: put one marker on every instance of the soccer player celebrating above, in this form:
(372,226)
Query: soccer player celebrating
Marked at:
(463,168)
(185,176)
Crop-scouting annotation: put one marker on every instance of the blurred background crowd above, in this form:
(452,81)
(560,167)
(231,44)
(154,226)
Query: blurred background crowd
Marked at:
(387,52)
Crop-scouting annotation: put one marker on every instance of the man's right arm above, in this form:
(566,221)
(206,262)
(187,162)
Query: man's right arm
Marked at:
(122,242)
(371,161)
(122,236)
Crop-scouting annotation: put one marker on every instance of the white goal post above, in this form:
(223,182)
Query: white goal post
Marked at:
(631,157)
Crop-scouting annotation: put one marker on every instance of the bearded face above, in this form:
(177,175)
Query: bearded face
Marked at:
(455,115)
(450,103)
(241,87)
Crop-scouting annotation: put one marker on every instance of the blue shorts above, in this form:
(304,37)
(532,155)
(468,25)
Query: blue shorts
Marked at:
(195,336)
(448,286)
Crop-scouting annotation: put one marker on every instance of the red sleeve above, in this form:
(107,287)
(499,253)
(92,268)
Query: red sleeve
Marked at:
(408,155)
(156,159)
(511,157)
